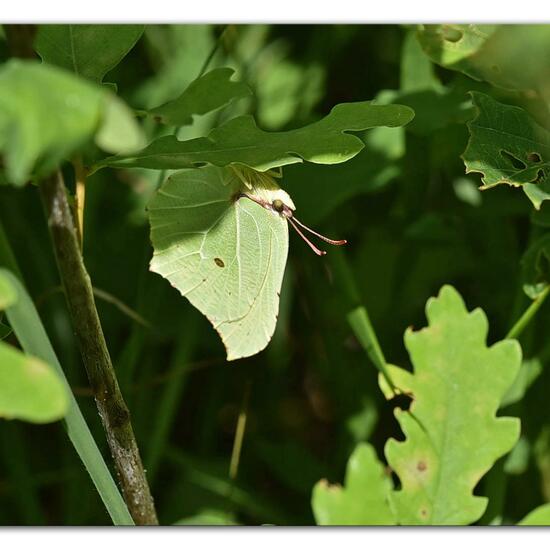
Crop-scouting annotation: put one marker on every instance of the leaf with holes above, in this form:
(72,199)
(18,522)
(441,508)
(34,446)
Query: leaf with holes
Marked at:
(220,236)
(210,92)
(508,147)
(493,53)
(452,434)
(89,51)
(365,498)
(240,141)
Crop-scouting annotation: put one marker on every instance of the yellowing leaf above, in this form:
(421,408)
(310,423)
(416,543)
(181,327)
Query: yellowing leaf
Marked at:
(452,434)
(365,498)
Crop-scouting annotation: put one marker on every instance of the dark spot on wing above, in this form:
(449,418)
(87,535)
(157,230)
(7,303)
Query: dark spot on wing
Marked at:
(219,262)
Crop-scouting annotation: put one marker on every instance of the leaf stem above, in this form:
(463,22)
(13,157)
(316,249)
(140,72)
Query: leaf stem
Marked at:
(80,196)
(528,314)
(80,300)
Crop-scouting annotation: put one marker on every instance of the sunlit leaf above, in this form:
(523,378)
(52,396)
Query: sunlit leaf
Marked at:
(514,57)
(8,295)
(209,517)
(89,51)
(364,500)
(538,516)
(327,141)
(211,91)
(29,388)
(452,434)
(507,146)
(47,114)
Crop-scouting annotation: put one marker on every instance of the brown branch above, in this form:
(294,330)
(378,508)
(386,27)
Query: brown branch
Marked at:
(80,300)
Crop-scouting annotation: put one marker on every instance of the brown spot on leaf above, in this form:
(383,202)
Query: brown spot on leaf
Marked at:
(423,512)
(421,466)
(219,262)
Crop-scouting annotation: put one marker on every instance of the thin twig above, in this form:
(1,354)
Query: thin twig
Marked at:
(80,300)
(528,314)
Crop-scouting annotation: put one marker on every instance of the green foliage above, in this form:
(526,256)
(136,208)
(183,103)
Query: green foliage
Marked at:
(365,498)
(210,92)
(507,146)
(31,334)
(243,96)
(539,516)
(491,53)
(240,141)
(29,388)
(452,436)
(536,267)
(47,114)
(90,51)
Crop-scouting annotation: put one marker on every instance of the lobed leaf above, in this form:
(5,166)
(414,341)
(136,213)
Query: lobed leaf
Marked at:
(508,147)
(89,51)
(452,434)
(47,114)
(239,140)
(365,498)
(210,92)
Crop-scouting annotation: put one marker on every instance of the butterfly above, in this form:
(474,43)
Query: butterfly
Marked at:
(220,236)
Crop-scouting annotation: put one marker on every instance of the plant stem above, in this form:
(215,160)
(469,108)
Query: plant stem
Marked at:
(80,300)
(528,314)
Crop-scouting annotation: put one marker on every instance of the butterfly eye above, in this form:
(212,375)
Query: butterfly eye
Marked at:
(278,205)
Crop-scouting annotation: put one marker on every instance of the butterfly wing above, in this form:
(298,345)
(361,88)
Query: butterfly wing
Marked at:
(225,255)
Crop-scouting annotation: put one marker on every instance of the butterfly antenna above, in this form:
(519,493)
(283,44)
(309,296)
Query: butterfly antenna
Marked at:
(326,239)
(310,244)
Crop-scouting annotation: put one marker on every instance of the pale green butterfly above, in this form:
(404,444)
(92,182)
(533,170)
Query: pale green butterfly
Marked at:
(220,236)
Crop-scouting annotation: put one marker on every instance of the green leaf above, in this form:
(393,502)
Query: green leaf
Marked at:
(29,389)
(240,141)
(453,46)
(530,370)
(8,296)
(89,51)
(209,517)
(210,92)
(225,254)
(507,146)
(365,498)
(452,434)
(47,114)
(5,331)
(538,516)
(30,332)
(535,267)
(493,53)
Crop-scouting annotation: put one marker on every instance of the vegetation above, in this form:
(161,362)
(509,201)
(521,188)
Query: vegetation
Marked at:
(165,192)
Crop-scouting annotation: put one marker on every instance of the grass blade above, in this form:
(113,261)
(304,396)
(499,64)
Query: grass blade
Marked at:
(30,332)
